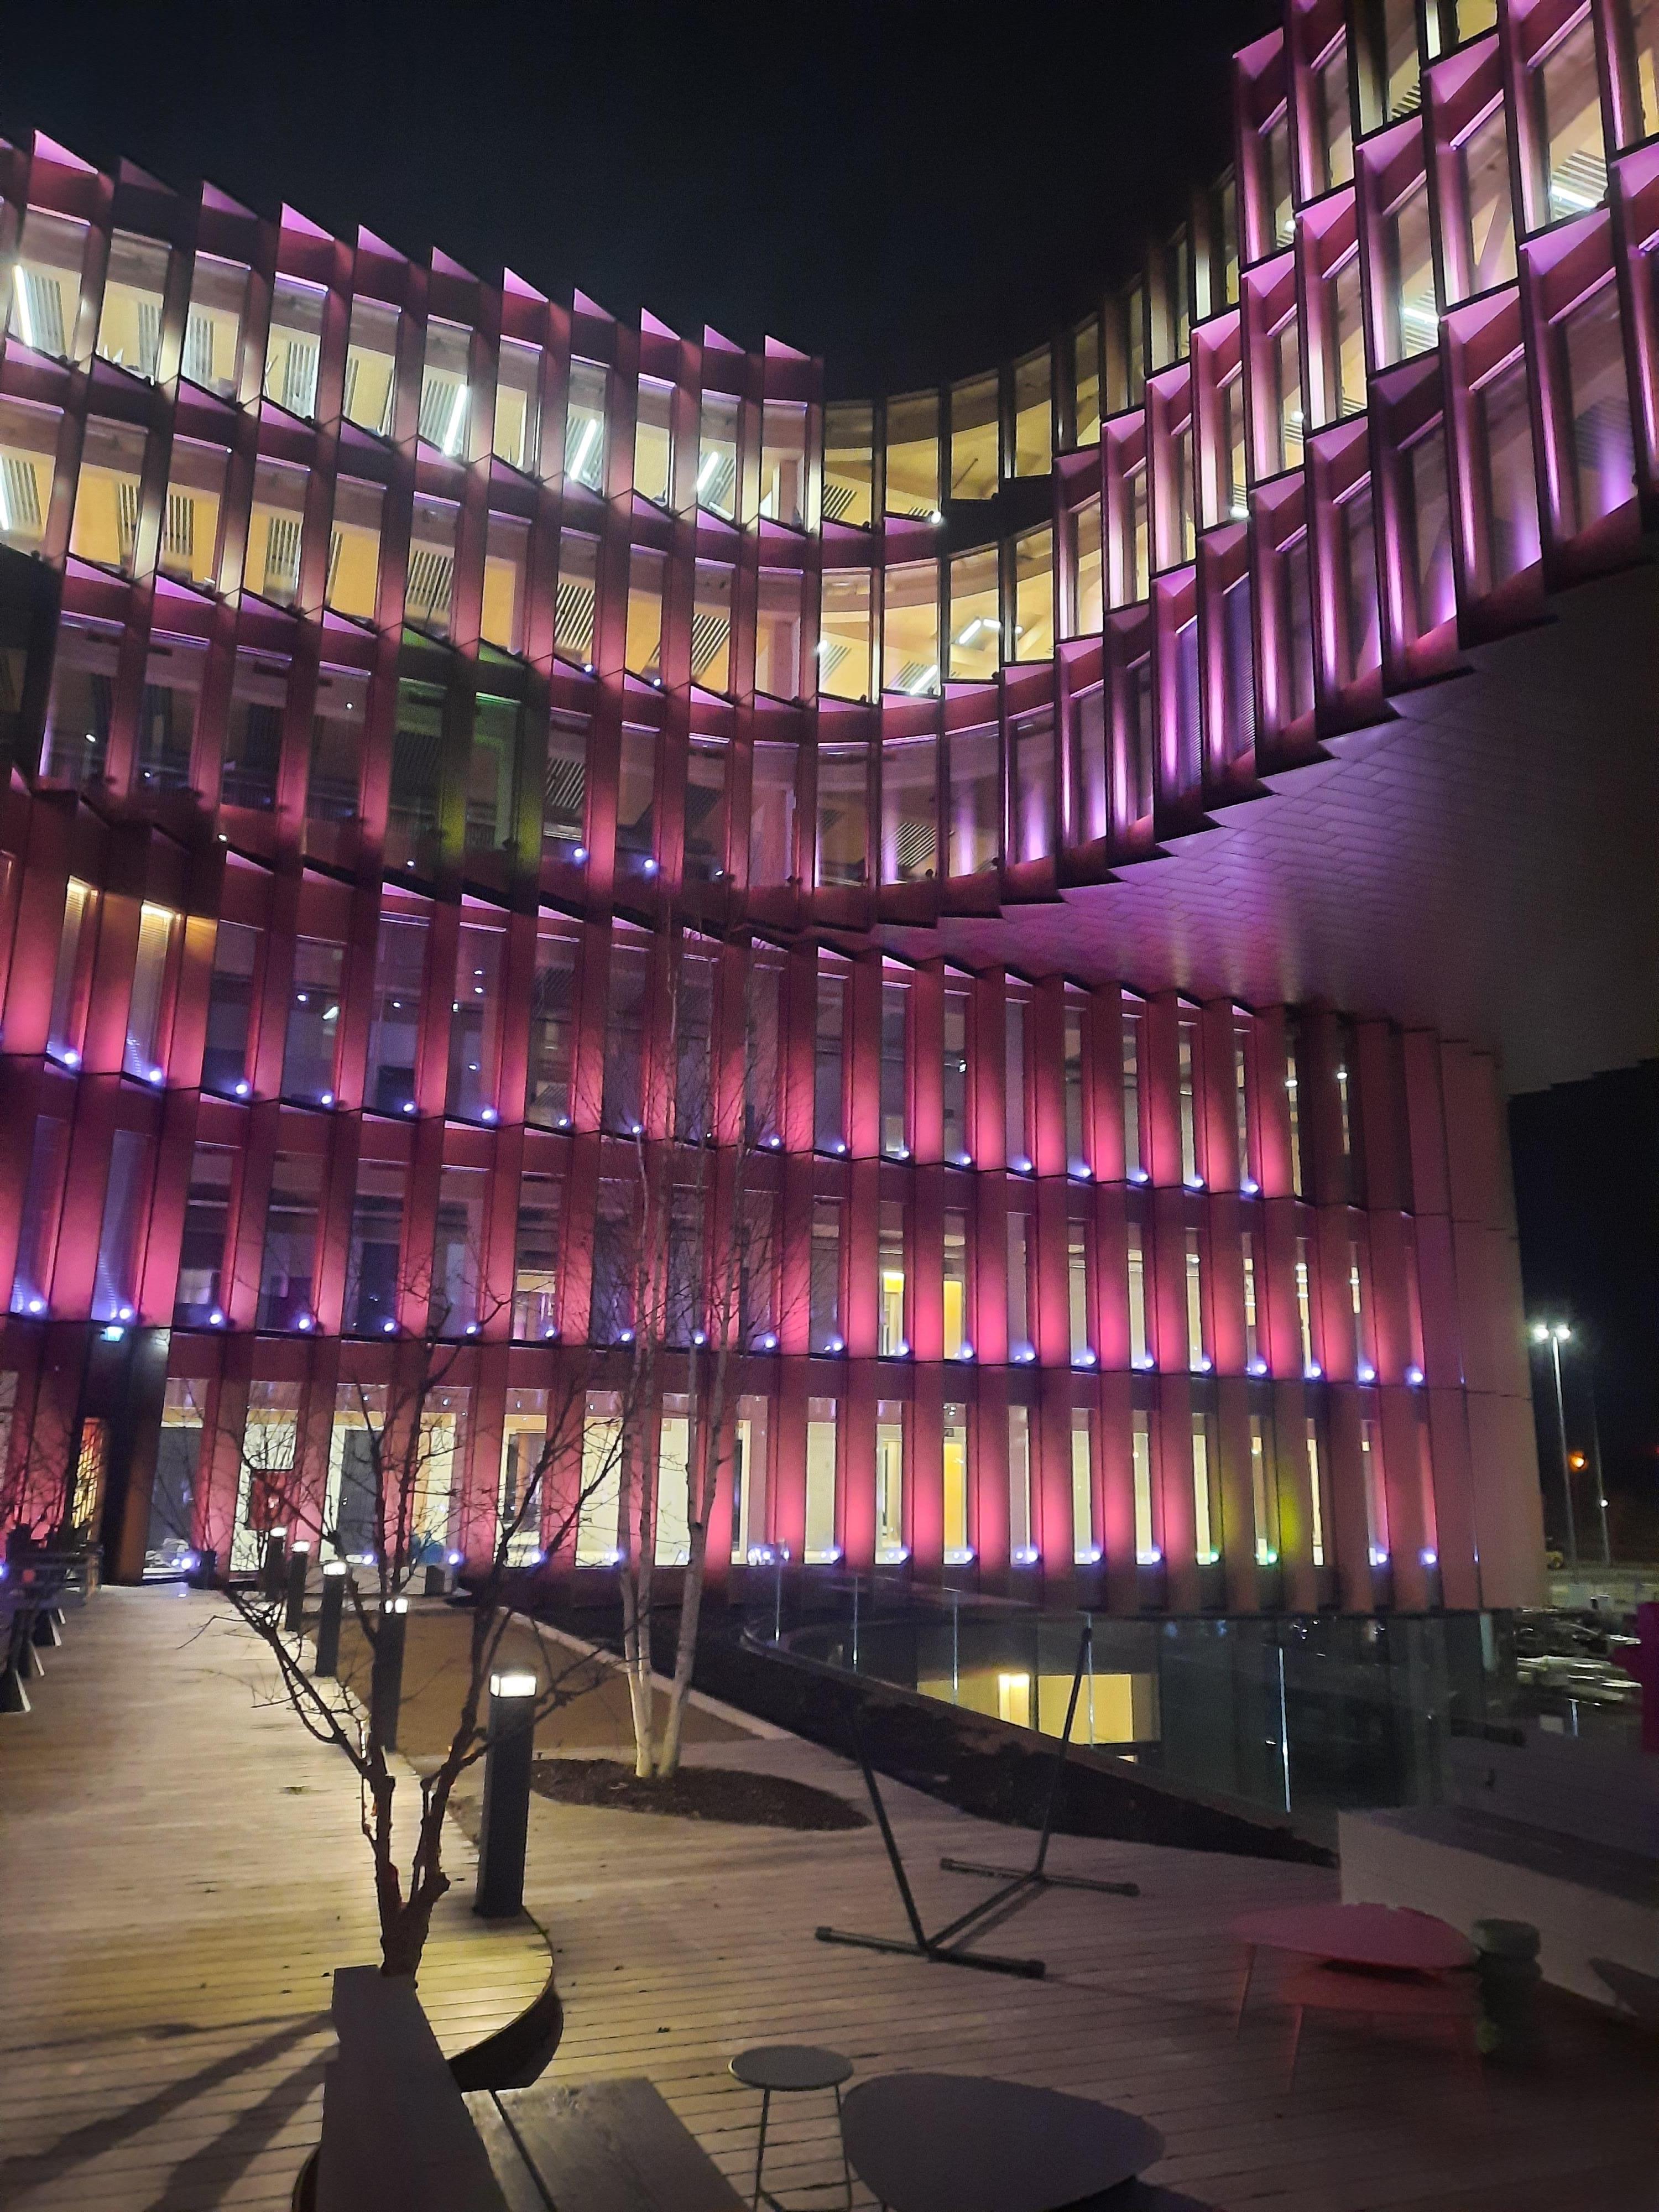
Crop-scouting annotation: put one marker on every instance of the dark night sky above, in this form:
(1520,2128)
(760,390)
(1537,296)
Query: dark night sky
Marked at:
(909,189)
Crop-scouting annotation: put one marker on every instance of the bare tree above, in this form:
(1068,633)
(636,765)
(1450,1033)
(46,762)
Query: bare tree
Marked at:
(389,1508)
(702,1246)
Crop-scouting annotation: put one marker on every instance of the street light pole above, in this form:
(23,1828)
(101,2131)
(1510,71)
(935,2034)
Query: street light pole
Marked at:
(1553,1334)
(1595,1463)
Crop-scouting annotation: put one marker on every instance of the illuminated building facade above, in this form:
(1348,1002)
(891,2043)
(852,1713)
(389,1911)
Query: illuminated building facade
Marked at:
(410,685)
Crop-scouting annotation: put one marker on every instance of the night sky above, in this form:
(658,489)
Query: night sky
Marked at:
(912,190)
(909,189)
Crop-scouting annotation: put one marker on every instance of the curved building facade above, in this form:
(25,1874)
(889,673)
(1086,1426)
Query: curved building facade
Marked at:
(462,749)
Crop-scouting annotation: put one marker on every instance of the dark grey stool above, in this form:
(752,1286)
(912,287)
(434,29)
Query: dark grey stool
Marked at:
(787,2067)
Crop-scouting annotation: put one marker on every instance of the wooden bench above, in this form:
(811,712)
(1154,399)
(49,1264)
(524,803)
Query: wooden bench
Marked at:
(399,2135)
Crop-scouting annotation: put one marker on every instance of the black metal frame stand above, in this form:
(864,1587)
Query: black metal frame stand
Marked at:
(946,1947)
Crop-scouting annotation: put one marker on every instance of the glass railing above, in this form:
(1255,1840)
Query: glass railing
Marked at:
(1294,1716)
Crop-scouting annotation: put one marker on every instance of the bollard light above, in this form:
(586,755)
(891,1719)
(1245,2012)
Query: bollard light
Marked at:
(328,1619)
(385,1688)
(273,1565)
(505,1826)
(293,1612)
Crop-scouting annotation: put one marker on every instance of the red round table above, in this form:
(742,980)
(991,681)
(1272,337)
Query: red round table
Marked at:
(1385,1938)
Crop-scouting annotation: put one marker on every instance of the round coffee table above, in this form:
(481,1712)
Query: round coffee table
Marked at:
(961,2142)
(1386,1938)
(785,2069)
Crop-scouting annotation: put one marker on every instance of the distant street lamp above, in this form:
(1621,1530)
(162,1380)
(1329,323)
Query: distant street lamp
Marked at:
(1555,1334)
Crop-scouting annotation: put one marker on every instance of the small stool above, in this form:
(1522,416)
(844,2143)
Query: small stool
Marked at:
(787,2067)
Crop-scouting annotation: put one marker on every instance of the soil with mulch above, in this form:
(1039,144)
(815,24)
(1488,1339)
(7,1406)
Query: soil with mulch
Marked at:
(695,1793)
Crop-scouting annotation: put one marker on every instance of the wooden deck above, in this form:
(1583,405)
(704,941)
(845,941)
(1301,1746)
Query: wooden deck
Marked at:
(677,1944)
(180,1873)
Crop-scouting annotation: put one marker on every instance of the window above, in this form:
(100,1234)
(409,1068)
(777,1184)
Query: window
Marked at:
(693,1018)
(845,657)
(1375,1491)
(1502,465)
(475,1016)
(975,619)
(1020,1346)
(1021,1550)
(1242,1105)
(394,1030)
(892,1337)
(974,466)
(821,1427)
(772,815)
(376,1244)
(599,1525)
(1139,1351)
(705,767)
(254,734)
(352,587)
(536,1258)
(783,466)
(552,997)
(955,1074)
(458,1251)
(524,1453)
(577,602)
(653,441)
(1264,1495)
(890,1483)
(910,653)
(1147,1549)
(717,455)
(778,632)
(624,1042)
(213,324)
(1304,1306)
(1187,1070)
(1034,610)
(1571,173)
(1136,736)
(230,1009)
(1085,383)
(517,405)
(106,525)
(1016,1136)
(643,649)
(1077,1143)
(428,593)
(1590,350)
(314,1022)
(913,485)
(200,1293)
(711,626)
(37,1231)
(1315,1495)
(843,815)
(492,776)
(829,1107)
(895,1070)
(564,788)
(506,579)
(1206,1500)
(1076,1292)
(28,448)
(1389,86)
(167,714)
(1292,1103)
(909,810)
(290,1245)
(957,1340)
(1085,598)
(1033,744)
(1644,118)
(611,1318)
(749,1478)
(975,801)
(1286,419)
(1198,1352)
(371,372)
(1362,1359)
(849,463)
(292,348)
(1033,439)
(143,1055)
(444,393)
(1333,123)
(1084,1550)
(958,1550)
(1410,313)
(1483,231)
(762,1029)
(585,424)
(1425,532)
(1253,1362)
(1134,1166)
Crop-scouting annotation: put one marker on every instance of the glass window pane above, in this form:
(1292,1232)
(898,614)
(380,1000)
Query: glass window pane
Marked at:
(166,713)
(1596,394)
(579,579)
(429,592)
(371,372)
(190,524)
(844,645)
(1485,213)
(975,616)
(910,628)
(783,464)
(975,801)
(586,425)
(1034,442)
(717,456)
(913,454)
(848,462)
(506,581)
(778,632)
(643,650)
(518,383)
(314,1021)
(292,347)
(1085,383)
(45,291)
(254,734)
(843,814)
(772,815)
(909,810)
(976,468)
(1034,596)
(711,627)
(336,746)
(1573,162)
(28,446)
(130,321)
(653,440)
(106,526)
(443,388)
(1411,321)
